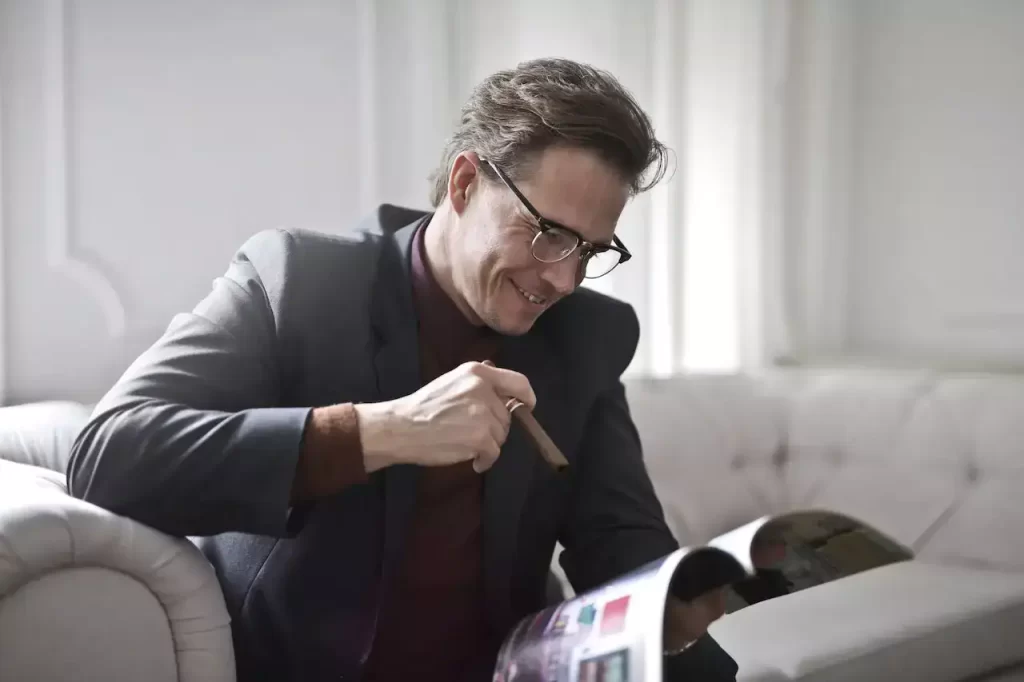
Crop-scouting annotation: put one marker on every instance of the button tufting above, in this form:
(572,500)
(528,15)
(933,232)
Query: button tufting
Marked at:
(973,473)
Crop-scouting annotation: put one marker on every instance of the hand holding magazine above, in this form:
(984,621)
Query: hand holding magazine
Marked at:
(615,633)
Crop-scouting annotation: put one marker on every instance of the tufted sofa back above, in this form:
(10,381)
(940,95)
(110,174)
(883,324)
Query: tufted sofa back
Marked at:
(936,460)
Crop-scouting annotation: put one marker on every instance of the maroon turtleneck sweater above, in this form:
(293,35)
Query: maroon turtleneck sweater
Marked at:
(435,625)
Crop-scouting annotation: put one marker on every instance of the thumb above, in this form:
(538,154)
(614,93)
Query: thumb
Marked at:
(510,384)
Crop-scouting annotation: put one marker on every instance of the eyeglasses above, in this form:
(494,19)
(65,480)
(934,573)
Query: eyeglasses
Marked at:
(554,243)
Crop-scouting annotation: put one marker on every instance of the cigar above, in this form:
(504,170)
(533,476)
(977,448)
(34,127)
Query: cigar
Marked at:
(540,438)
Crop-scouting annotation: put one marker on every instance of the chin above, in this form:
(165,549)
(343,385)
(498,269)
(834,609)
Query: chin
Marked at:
(508,326)
(512,320)
(509,314)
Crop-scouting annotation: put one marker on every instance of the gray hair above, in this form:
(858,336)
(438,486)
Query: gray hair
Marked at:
(515,114)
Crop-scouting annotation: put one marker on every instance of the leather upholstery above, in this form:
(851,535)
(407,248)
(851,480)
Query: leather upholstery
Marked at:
(86,594)
(935,460)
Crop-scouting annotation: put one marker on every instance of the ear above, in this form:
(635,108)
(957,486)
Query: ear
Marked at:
(462,180)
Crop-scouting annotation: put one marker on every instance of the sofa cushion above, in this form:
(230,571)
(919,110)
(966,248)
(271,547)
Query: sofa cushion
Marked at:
(712,445)
(906,621)
(936,460)
(41,433)
(866,444)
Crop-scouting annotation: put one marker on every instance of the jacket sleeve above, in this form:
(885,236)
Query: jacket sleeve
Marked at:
(616,524)
(191,439)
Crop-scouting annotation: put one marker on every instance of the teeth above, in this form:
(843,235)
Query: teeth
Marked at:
(536,300)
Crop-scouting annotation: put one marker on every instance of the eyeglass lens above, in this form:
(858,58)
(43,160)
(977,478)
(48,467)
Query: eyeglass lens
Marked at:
(553,245)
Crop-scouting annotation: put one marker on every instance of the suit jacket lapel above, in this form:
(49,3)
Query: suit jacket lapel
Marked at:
(507,484)
(396,363)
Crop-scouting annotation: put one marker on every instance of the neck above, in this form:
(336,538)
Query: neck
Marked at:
(437,247)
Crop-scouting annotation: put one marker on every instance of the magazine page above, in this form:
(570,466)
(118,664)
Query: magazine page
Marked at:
(611,634)
(795,551)
(740,542)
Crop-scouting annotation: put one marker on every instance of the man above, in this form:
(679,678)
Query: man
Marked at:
(332,416)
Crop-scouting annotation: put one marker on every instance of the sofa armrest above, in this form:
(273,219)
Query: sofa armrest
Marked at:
(41,434)
(45,533)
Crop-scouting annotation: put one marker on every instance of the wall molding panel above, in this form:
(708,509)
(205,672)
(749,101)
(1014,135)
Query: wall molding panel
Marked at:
(59,197)
(3,257)
(820,150)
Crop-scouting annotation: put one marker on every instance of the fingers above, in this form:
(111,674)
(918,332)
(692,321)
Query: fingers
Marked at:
(488,454)
(502,421)
(494,422)
(507,383)
(501,384)
(500,414)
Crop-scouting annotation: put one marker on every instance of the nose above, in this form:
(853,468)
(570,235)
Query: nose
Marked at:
(563,276)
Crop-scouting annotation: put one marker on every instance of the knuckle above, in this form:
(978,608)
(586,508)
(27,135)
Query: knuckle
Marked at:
(476,410)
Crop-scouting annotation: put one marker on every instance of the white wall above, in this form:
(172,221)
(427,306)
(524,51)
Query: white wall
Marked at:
(937,201)
(848,177)
(143,141)
(908,202)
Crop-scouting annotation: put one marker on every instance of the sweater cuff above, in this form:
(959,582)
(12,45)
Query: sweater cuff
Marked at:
(331,459)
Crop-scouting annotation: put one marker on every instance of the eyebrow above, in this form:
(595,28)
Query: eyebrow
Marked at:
(537,216)
(525,213)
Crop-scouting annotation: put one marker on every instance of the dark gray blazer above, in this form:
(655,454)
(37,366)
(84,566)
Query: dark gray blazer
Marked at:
(201,435)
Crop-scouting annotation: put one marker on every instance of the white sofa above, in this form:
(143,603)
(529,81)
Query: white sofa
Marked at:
(935,460)
(86,594)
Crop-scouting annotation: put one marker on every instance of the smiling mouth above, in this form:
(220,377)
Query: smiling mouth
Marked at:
(535,300)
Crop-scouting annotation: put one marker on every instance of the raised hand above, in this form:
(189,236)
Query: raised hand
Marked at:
(458,417)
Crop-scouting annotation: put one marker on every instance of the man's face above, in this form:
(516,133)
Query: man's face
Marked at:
(505,287)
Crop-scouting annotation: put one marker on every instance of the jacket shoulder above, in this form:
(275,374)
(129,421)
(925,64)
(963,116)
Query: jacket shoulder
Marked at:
(352,251)
(593,332)
(299,273)
(280,247)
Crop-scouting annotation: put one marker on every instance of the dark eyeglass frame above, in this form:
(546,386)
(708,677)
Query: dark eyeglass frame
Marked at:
(585,247)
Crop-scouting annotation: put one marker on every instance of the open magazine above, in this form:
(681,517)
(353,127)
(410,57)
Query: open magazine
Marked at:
(614,633)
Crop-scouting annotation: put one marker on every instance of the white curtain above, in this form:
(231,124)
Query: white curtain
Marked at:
(716,244)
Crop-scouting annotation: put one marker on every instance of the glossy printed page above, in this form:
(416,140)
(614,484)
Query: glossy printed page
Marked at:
(611,634)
